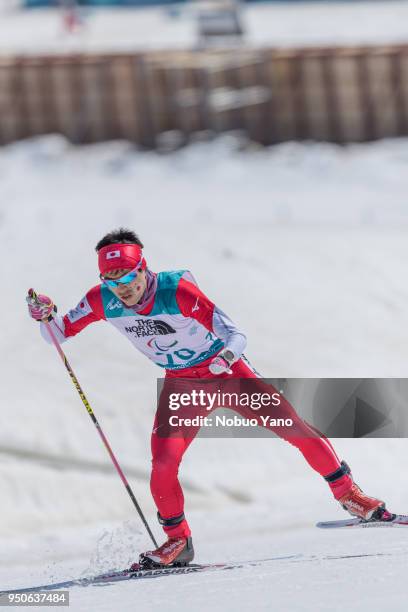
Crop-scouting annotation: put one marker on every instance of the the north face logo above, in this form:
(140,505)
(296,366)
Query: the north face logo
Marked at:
(150,328)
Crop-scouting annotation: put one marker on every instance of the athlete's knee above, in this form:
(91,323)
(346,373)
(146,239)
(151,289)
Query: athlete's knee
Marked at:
(164,467)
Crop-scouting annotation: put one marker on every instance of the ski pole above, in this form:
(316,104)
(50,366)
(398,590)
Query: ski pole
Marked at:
(98,427)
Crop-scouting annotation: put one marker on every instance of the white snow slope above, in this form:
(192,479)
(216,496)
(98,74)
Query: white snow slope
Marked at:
(277,24)
(305,246)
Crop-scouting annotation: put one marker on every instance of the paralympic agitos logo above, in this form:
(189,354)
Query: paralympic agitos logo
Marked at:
(144,328)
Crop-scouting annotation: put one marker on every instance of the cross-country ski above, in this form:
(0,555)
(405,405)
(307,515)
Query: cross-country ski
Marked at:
(394,520)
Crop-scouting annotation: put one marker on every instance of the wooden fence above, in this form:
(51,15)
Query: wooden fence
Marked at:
(274,95)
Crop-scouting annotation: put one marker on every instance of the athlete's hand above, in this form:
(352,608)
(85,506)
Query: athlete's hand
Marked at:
(40,307)
(220,365)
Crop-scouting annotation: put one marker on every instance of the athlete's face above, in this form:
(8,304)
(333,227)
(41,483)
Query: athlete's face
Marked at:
(130,293)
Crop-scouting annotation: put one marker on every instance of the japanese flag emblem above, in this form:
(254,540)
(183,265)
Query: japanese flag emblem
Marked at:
(82,310)
(112,254)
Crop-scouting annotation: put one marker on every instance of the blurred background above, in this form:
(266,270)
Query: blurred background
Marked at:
(264,146)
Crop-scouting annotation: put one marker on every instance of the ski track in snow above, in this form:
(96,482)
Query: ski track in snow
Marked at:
(317,579)
(314,237)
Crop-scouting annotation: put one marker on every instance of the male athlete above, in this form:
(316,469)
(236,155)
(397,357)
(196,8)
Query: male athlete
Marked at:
(168,319)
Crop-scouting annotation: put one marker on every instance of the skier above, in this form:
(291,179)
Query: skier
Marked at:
(204,343)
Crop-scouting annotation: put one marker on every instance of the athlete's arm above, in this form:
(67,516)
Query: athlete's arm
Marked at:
(89,310)
(195,304)
(225,329)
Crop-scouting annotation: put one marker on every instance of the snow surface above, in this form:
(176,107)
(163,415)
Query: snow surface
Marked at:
(305,247)
(277,24)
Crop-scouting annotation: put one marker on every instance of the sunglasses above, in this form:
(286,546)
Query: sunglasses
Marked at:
(123,280)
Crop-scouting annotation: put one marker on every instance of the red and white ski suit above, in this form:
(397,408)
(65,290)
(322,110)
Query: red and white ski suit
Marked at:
(180,312)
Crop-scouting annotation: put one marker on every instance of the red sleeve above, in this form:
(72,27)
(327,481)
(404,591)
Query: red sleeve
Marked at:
(194,304)
(89,310)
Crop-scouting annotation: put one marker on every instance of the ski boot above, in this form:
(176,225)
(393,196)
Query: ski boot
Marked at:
(352,498)
(359,504)
(176,552)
